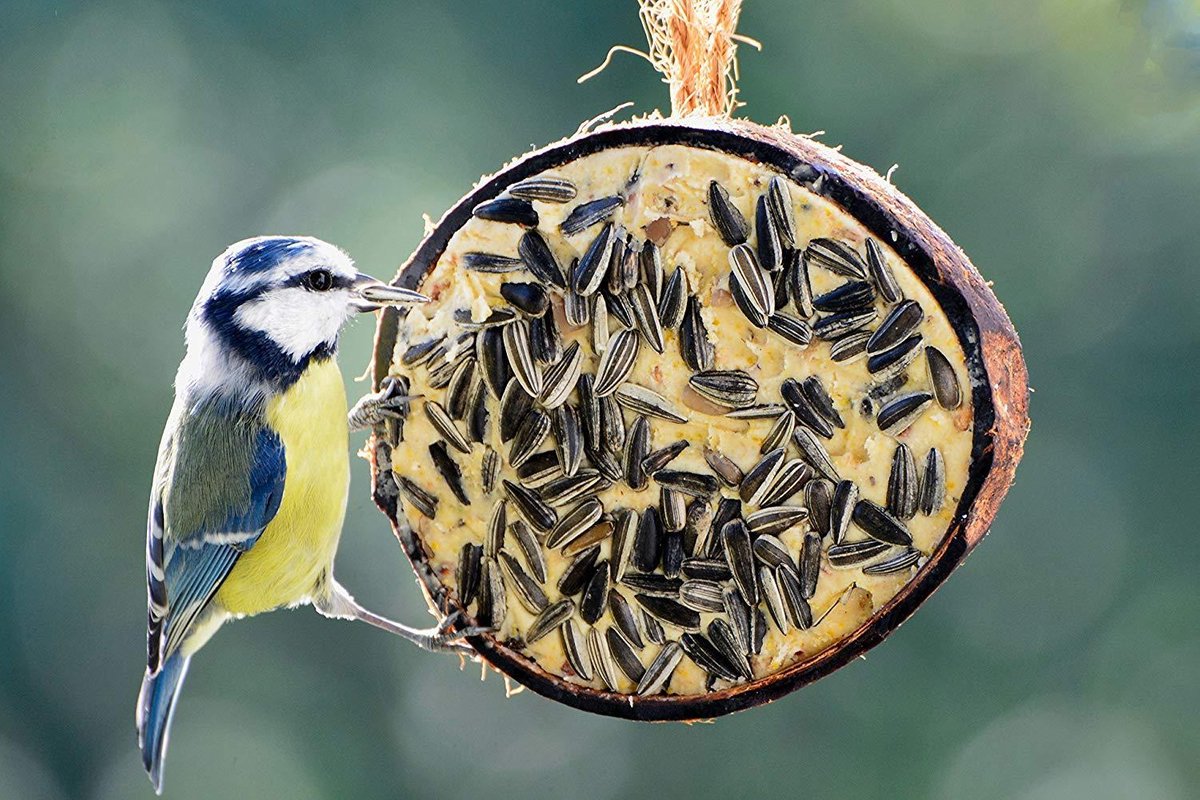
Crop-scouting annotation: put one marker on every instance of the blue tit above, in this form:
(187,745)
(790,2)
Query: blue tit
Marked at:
(251,483)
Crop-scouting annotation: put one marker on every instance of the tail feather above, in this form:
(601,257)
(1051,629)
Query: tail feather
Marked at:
(156,706)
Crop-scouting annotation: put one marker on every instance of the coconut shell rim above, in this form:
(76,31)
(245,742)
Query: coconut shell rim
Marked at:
(995,365)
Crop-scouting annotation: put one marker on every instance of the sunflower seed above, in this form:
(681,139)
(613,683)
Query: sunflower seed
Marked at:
(849,296)
(507,209)
(669,611)
(796,331)
(641,400)
(637,447)
(835,256)
(779,202)
(606,462)
(589,412)
(849,554)
(449,470)
(673,509)
(739,615)
(758,629)
(575,577)
(902,484)
(576,310)
(902,411)
(652,584)
(552,616)
(478,415)
(528,591)
(697,527)
(561,377)
(731,388)
(595,595)
(625,656)
(614,282)
(806,414)
(497,318)
(707,656)
(490,262)
(834,326)
(466,578)
(775,520)
(493,597)
(795,273)
(530,549)
(779,434)
(758,411)
(673,553)
(728,508)
(881,273)
(770,550)
(530,299)
(531,432)
(818,499)
(600,332)
(695,348)
(421,352)
(645,315)
(892,362)
(847,348)
(769,580)
(756,285)
(654,631)
(623,616)
(813,452)
(650,270)
(545,340)
(810,564)
(515,404)
(933,483)
(575,648)
(601,658)
(728,221)
(726,642)
(760,474)
(659,672)
(618,306)
(663,456)
(798,612)
(530,506)
(706,569)
(425,502)
(575,523)
(740,556)
(489,469)
(568,438)
(786,482)
(546,188)
(612,425)
(617,361)
(592,536)
(879,524)
(585,215)
(624,522)
(568,489)
(814,391)
(897,563)
(673,301)
(493,541)
(589,273)
(724,467)
(648,542)
(898,324)
(693,484)
(520,357)
(942,378)
(770,249)
(440,420)
(841,509)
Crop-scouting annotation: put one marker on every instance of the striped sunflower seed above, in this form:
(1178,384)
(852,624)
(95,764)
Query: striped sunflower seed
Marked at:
(726,218)
(617,361)
(514,210)
(552,616)
(546,188)
(933,483)
(731,388)
(835,256)
(943,379)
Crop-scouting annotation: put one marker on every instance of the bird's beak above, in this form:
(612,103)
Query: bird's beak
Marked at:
(373,294)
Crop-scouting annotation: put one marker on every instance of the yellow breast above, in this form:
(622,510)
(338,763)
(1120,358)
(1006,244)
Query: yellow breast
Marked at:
(297,548)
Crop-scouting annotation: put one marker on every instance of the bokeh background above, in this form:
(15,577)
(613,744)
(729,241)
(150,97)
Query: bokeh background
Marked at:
(1057,140)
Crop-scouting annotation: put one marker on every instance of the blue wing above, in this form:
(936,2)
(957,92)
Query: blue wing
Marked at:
(185,568)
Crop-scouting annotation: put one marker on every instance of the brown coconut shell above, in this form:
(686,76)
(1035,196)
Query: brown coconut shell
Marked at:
(995,365)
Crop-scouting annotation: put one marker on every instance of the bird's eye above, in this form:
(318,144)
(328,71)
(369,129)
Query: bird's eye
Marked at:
(319,280)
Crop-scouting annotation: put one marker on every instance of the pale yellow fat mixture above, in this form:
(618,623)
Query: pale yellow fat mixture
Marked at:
(673,185)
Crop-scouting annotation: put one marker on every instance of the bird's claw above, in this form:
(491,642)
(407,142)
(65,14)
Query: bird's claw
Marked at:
(390,402)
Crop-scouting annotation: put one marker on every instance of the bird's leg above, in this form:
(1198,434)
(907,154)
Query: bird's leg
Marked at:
(390,402)
(337,603)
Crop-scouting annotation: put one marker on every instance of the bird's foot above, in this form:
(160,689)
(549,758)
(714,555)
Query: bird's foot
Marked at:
(390,402)
(445,637)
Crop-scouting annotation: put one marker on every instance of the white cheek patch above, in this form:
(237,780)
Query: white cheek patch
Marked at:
(297,319)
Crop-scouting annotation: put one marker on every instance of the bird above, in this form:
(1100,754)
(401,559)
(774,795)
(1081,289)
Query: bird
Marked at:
(251,482)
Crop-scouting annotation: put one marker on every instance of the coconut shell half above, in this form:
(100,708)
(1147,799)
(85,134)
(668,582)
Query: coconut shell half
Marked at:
(995,370)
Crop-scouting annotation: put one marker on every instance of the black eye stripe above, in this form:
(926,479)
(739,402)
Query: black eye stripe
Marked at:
(331,281)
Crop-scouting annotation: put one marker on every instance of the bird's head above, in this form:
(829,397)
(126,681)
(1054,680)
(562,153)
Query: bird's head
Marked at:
(272,304)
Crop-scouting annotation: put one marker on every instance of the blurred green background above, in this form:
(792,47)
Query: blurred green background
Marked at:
(1058,141)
